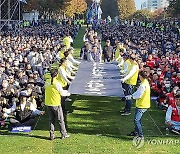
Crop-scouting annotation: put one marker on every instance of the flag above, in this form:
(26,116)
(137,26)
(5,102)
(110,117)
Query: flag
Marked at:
(24,1)
(94,12)
(90,13)
(99,12)
(97,1)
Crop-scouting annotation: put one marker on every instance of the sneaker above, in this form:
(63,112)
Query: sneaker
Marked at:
(122,111)
(175,131)
(139,138)
(132,134)
(126,113)
(52,136)
(66,136)
(68,100)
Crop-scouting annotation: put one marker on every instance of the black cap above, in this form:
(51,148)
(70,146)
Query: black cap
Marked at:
(23,94)
(177,96)
(126,55)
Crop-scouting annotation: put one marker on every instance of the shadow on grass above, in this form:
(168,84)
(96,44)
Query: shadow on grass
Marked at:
(100,116)
(23,135)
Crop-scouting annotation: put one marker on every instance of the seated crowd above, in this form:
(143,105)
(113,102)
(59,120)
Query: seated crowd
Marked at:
(28,55)
(26,58)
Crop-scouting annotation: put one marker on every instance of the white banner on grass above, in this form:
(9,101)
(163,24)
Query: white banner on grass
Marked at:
(97,79)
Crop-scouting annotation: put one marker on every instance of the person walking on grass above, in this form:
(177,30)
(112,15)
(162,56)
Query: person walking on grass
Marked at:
(53,93)
(142,97)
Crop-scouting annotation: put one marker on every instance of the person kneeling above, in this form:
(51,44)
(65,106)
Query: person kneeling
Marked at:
(173,115)
(25,112)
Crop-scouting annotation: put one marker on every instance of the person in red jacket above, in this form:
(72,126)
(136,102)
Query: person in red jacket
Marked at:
(177,81)
(173,116)
(155,85)
(150,62)
(165,91)
(171,96)
(161,75)
(156,59)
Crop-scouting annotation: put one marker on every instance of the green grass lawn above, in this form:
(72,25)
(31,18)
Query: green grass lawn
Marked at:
(95,126)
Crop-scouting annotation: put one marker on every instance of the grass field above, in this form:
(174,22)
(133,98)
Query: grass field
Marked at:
(95,126)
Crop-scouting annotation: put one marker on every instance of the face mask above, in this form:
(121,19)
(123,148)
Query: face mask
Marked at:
(159,72)
(174,91)
(5,85)
(167,85)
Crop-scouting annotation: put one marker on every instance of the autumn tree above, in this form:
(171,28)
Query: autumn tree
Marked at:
(72,7)
(174,8)
(43,5)
(158,14)
(141,15)
(126,8)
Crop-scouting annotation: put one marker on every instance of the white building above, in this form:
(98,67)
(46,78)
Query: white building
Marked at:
(33,15)
(164,3)
(153,5)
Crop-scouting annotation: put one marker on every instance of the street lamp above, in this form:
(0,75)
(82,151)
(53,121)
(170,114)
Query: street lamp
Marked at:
(165,8)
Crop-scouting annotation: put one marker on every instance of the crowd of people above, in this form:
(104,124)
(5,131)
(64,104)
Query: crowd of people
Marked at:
(26,58)
(37,66)
(152,47)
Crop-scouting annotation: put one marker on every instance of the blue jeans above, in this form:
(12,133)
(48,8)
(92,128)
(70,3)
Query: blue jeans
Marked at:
(128,91)
(175,125)
(137,121)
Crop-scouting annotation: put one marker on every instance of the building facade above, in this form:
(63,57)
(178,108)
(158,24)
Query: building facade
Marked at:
(153,5)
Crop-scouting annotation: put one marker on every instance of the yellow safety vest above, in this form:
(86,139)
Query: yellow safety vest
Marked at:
(60,78)
(129,64)
(54,65)
(52,95)
(133,79)
(47,76)
(144,101)
(66,42)
(61,54)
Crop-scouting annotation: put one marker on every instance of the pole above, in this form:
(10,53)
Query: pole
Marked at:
(164,13)
(0,13)
(9,13)
(19,14)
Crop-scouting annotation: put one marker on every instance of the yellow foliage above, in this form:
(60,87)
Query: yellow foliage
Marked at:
(72,7)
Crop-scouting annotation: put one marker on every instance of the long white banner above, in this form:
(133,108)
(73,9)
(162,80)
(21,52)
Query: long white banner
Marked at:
(97,79)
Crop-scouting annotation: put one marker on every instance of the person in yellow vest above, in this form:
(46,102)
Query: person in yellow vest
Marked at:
(61,52)
(70,67)
(124,69)
(129,81)
(143,102)
(71,58)
(126,64)
(67,41)
(25,24)
(117,49)
(65,79)
(53,93)
(28,24)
